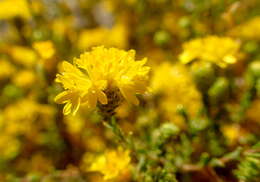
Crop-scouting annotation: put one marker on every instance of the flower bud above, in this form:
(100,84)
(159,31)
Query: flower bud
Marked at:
(12,92)
(184,22)
(250,46)
(161,37)
(254,68)
(163,133)
(219,90)
(203,74)
(169,129)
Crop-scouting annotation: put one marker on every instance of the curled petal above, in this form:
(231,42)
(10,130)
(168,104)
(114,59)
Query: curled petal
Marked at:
(63,97)
(129,95)
(102,98)
(67,108)
(75,105)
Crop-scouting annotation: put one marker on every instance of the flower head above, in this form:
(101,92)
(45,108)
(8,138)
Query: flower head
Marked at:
(24,78)
(248,30)
(44,48)
(112,163)
(116,36)
(219,50)
(23,55)
(180,93)
(99,75)
(14,8)
(7,69)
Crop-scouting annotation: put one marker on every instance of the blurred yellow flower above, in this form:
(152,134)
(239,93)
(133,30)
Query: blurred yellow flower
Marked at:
(231,132)
(9,146)
(95,143)
(14,8)
(7,69)
(177,90)
(248,30)
(112,163)
(44,48)
(23,55)
(24,78)
(116,36)
(75,124)
(219,50)
(106,70)
(37,6)
(21,117)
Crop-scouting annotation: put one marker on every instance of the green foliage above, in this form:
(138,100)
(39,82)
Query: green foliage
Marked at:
(249,165)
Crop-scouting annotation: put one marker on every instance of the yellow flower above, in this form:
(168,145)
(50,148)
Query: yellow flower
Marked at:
(177,90)
(92,37)
(7,69)
(106,72)
(23,55)
(14,8)
(20,116)
(44,48)
(231,132)
(112,163)
(24,78)
(9,146)
(248,30)
(75,125)
(117,36)
(219,50)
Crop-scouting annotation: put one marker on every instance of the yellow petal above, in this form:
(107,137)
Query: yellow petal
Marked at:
(230,59)
(67,108)
(67,66)
(102,97)
(129,95)
(63,97)
(75,105)
(92,99)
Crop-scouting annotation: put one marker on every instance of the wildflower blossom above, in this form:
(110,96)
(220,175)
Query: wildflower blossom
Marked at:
(44,48)
(14,8)
(26,112)
(9,146)
(179,94)
(24,78)
(248,30)
(7,69)
(107,74)
(116,36)
(23,55)
(112,163)
(219,50)
(231,132)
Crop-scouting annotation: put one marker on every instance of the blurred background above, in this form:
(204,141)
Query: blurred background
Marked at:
(200,122)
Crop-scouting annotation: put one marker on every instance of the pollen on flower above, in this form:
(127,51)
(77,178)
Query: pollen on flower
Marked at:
(99,76)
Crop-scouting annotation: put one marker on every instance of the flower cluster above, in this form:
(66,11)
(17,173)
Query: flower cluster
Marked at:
(105,114)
